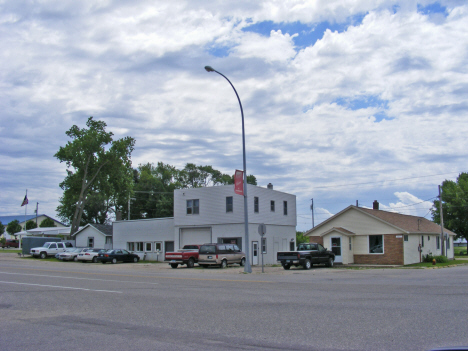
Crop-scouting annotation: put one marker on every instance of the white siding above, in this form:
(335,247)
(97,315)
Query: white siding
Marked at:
(81,239)
(213,206)
(157,230)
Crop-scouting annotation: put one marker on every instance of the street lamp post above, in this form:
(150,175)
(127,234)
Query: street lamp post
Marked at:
(247,267)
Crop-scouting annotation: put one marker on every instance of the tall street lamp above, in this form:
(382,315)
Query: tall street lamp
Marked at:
(247,267)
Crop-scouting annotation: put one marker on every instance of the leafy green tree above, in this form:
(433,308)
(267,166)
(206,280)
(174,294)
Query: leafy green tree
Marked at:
(454,206)
(31,224)
(99,174)
(2,228)
(47,223)
(13,227)
(301,238)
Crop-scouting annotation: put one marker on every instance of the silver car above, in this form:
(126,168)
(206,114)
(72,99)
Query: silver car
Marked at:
(71,254)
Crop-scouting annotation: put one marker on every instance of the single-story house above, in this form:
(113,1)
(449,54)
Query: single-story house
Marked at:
(216,214)
(94,235)
(371,236)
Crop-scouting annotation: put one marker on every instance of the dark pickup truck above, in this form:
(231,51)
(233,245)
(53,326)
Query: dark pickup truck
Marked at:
(306,255)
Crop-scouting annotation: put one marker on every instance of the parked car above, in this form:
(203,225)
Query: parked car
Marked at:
(71,254)
(90,255)
(50,249)
(117,255)
(10,243)
(307,255)
(187,255)
(220,255)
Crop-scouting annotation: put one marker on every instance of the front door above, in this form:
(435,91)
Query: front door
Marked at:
(336,248)
(254,253)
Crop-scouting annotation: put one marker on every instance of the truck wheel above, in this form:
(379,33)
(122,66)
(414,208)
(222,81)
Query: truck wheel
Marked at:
(242,262)
(223,264)
(43,255)
(114,260)
(286,266)
(330,262)
(307,264)
(174,265)
(190,263)
(94,260)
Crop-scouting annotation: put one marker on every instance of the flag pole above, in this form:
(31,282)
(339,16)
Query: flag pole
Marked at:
(25,210)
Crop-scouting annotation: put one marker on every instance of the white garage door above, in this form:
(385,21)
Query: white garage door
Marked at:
(194,236)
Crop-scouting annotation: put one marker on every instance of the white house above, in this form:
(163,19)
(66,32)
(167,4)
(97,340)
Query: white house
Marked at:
(22,219)
(371,236)
(216,214)
(94,235)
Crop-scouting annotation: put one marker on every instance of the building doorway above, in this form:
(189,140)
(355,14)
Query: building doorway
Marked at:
(254,253)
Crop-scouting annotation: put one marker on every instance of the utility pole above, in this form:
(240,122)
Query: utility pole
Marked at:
(312,209)
(441,223)
(37,209)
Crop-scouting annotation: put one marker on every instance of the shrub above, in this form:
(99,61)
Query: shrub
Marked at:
(427,258)
(441,259)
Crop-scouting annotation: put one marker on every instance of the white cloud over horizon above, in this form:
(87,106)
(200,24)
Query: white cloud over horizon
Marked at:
(374,110)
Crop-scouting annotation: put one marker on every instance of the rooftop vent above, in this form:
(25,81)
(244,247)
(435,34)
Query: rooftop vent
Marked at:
(270,186)
(375,205)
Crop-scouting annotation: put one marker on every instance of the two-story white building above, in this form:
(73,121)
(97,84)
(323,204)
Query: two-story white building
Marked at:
(216,215)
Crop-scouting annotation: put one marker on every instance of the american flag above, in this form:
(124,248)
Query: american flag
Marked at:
(25,201)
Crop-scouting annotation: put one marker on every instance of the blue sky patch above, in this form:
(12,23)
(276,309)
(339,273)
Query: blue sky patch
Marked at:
(219,51)
(432,8)
(307,34)
(364,102)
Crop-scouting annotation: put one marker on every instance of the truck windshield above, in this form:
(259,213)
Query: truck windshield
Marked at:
(46,245)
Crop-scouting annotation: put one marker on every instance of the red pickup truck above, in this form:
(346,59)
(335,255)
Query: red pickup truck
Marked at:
(187,255)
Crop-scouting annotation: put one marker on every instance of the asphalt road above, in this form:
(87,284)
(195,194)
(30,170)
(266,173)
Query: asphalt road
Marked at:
(71,306)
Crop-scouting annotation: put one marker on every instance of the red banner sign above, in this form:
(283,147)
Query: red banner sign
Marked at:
(239,182)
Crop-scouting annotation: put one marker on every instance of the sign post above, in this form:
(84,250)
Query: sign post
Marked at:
(262,231)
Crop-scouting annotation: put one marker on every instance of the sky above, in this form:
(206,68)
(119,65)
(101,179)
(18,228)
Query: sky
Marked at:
(344,102)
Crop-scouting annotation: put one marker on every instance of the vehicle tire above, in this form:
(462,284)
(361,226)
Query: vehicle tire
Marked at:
(43,255)
(242,262)
(75,258)
(94,260)
(307,264)
(287,266)
(135,259)
(330,262)
(174,265)
(223,264)
(114,260)
(191,263)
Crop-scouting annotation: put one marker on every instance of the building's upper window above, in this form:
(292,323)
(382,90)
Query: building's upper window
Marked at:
(405,237)
(229,206)
(193,206)
(285,208)
(422,240)
(375,243)
(438,243)
(256,209)
(272,206)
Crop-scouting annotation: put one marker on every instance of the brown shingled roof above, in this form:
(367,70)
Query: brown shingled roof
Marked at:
(411,224)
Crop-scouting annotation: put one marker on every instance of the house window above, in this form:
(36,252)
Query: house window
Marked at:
(157,246)
(405,237)
(90,241)
(264,245)
(148,247)
(256,204)
(438,243)
(131,246)
(448,242)
(422,241)
(272,206)
(193,206)
(108,240)
(428,238)
(375,243)
(350,247)
(139,247)
(229,204)
(285,208)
